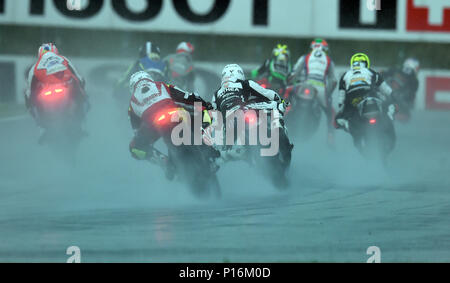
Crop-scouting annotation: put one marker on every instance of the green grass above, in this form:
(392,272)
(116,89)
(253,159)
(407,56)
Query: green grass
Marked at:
(11,109)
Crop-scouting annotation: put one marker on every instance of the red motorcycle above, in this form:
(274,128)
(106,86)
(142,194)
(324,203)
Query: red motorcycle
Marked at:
(403,99)
(55,103)
(304,113)
(60,109)
(186,161)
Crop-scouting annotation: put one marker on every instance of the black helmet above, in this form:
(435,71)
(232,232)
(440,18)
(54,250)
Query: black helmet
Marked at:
(150,50)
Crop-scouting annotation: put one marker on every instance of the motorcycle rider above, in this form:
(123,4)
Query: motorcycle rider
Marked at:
(317,68)
(180,63)
(407,76)
(50,68)
(235,92)
(275,69)
(149,60)
(148,97)
(354,84)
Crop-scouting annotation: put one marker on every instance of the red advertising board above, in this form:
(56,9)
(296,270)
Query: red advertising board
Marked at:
(432,15)
(435,85)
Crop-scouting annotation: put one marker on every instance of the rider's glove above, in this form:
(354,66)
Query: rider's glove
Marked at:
(208,106)
(343,123)
(282,106)
(392,109)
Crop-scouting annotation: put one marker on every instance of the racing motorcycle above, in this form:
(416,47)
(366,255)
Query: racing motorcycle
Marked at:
(304,114)
(372,129)
(192,164)
(276,165)
(403,98)
(61,114)
(181,72)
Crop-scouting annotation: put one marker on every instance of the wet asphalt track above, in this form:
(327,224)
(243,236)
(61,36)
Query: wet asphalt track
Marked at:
(119,210)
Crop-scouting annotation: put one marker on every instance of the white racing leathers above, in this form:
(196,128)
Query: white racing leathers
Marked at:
(318,70)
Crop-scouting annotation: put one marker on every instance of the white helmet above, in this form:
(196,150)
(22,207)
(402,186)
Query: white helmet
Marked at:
(232,72)
(411,65)
(137,77)
(185,47)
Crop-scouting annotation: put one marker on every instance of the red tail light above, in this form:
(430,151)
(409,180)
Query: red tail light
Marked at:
(373,121)
(53,93)
(307,91)
(164,117)
(161,118)
(264,83)
(251,118)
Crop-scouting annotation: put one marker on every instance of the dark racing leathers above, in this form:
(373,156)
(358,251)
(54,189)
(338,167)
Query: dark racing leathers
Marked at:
(407,83)
(247,94)
(354,85)
(356,82)
(276,80)
(236,94)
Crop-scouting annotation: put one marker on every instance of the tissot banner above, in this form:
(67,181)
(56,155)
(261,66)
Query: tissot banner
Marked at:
(408,20)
